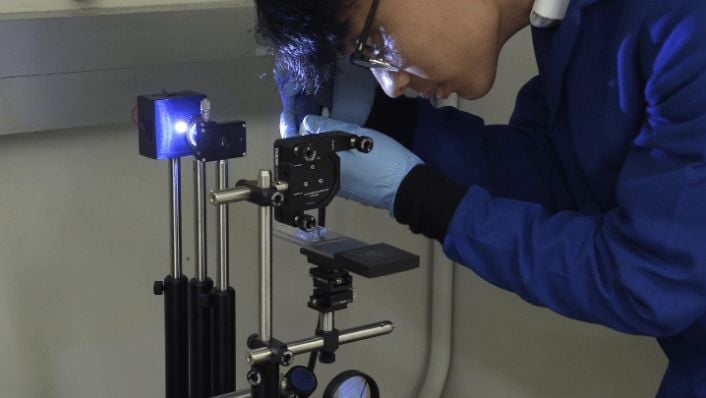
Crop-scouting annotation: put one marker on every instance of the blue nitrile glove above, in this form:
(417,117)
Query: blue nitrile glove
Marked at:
(289,90)
(350,99)
(369,178)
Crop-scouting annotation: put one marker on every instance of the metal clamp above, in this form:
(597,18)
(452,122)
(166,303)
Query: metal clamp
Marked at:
(264,355)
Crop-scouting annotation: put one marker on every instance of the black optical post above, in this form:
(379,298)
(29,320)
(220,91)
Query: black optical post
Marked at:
(223,302)
(199,295)
(175,291)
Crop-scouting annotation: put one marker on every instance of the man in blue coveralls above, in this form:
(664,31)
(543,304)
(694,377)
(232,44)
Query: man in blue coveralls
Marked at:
(591,201)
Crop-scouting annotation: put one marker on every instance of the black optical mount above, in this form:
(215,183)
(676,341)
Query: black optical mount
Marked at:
(211,141)
(310,166)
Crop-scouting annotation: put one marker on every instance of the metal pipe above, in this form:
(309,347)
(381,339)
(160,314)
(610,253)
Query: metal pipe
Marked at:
(306,345)
(326,321)
(200,224)
(238,194)
(223,252)
(263,355)
(264,180)
(175,216)
(366,332)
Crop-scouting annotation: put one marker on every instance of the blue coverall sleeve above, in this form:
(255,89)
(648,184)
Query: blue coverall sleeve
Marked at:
(516,160)
(640,267)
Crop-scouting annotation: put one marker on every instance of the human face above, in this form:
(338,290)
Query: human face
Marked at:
(438,47)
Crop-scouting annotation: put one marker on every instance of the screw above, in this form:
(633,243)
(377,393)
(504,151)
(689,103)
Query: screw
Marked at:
(309,154)
(277,199)
(225,142)
(287,358)
(254,378)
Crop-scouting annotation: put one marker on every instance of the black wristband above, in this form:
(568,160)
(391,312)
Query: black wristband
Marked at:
(395,117)
(426,201)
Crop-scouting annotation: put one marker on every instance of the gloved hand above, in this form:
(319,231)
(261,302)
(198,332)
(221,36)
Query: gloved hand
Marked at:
(350,99)
(289,90)
(368,178)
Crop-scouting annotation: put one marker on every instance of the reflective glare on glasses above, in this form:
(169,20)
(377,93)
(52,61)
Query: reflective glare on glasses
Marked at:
(366,56)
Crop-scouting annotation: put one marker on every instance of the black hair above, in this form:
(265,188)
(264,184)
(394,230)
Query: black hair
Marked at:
(307,36)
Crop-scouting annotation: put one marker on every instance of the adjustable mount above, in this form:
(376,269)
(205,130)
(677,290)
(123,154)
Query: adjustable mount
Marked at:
(310,166)
(333,284)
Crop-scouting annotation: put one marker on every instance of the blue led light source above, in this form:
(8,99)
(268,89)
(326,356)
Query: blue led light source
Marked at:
(164,122)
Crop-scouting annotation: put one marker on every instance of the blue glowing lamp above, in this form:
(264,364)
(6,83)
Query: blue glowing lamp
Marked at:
(163,121)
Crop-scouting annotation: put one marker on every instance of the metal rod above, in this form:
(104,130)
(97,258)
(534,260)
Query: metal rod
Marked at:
(264,180)
(175,216)
(263,355)
(326,321)
(238,194)
(200,224)
(223,252)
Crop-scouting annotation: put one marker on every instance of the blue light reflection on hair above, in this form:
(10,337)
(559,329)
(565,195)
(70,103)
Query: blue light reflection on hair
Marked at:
(170,116)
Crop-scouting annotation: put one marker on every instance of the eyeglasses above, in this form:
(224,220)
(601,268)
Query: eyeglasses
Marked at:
(366,55)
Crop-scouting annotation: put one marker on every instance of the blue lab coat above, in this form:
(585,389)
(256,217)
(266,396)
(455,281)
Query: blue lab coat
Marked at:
(592,200)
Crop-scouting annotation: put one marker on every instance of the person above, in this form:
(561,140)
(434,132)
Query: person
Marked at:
(591,201)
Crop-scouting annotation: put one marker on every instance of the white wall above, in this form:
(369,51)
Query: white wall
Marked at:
(504,347)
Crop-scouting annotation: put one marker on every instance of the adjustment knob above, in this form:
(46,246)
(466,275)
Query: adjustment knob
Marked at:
(327,357)
(158,288)
(254,378)
(362,143)
(305,222)
(308,152)
(301,381)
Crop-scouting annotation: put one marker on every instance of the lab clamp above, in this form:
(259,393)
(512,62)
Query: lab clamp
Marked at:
(199,315)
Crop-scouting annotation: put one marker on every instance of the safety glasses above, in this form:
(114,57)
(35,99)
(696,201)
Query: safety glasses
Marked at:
(366,54)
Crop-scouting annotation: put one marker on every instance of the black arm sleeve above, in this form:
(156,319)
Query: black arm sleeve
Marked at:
(396,117)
